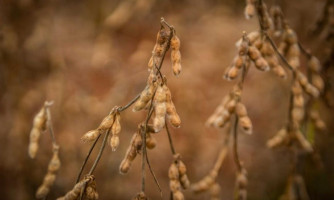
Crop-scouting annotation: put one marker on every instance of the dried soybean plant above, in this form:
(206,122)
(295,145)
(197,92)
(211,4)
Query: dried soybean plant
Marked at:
(258,48)
(41,123)
(156,100)
(303,92)
(232,113)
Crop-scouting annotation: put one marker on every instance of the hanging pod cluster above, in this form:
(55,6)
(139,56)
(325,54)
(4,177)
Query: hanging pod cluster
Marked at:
(295,188)
(292,133)
(231,105)
(110,123)
(132,151)
(50,177)
(241,184)
(178,178)
(39,126)
(289,47)
(85,188)
(162,104)
(164,40)
(267,52)
(248,54)
(209,182)
(41,122)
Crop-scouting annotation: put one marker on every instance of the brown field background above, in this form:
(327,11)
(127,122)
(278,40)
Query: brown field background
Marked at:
(86,59)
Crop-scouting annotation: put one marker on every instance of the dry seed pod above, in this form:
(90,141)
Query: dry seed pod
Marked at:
(162,36)
(215,190)
(90,192)
(318,82)
(75,192)
(318,122)
(253,36)
(262,64)
(205,183)
(150,141)
(173,172)
(241,184)
(212,119)
(107,122)
(278,139)
(54,163)
(298,114)
(238,62)
(50,177)
(183,174)
(290,36)
(311,90)
(140,196)
(175,42)
(150,64)
(298,100)
(241,110)
(172,115)
(249,10)
(314,64)
(178,195)
(39,125)
(176,61)
(145,96)
(160,109)
(131,153)
(303,142)
(115,130)
(90,136)
(279,70)
(231,73)
(254,53)
(246,124)
(294,62)
(293,51)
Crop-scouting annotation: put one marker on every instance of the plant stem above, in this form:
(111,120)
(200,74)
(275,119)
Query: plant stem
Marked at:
(170,139)
(87,157)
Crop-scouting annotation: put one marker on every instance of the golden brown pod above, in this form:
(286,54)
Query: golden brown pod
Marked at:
(75,192)
(314,64)
(140,196)
(145,96)
(280,137)
(107,122)
(90,136)
(131,153)
(215,190)
(39,125)
(175,42)
(150,141)
(246,124)
(249,11)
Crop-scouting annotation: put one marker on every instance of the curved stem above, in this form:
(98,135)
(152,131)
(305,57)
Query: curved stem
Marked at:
(100,152)
(87,157)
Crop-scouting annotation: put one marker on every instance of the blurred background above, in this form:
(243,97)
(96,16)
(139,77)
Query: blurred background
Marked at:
(90,55)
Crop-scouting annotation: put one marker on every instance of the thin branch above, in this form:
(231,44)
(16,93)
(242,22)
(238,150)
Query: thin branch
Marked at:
(278,53)
(122,108)
(87,157)
(170,139)
(235,143)
(306,52)
(149,114)
(100,152)
(153,174)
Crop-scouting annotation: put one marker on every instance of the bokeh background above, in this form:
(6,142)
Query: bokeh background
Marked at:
(90,55)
